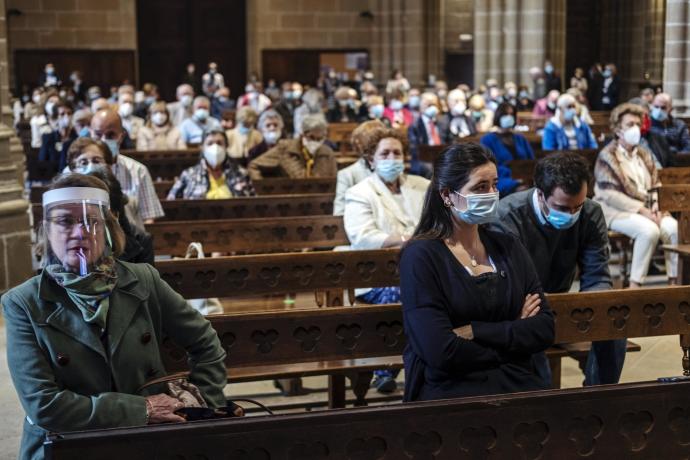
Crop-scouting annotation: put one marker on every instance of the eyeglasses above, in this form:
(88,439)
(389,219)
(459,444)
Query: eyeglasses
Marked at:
(67,223)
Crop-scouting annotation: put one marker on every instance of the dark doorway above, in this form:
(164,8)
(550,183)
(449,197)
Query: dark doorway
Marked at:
(173,33)
(304,65)
(459,68)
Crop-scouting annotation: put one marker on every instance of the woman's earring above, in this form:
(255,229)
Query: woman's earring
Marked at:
(447,203)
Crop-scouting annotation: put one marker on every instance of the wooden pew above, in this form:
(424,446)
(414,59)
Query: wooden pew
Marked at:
(249,234)
(676,198)
(355,341)
(675,176)
(320,204)
(288,186)
(165,164)
(340,133)
(640,420)
(272,186)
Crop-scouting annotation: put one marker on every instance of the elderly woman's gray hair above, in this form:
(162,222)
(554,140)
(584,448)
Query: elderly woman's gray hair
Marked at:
(314,123)
(313,98)
(270,114)
(246,115)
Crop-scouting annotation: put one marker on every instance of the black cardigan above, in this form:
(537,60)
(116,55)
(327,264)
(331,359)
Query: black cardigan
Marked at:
(438,295)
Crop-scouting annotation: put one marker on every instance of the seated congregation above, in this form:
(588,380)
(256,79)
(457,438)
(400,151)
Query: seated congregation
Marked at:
(472,278)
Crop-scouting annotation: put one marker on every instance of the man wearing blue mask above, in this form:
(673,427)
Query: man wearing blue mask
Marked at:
(565,231)
(431,128)
(143,206)
(565,130)
(675,131)
(193,128)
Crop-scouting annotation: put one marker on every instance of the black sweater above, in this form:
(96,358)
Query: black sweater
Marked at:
(438,295)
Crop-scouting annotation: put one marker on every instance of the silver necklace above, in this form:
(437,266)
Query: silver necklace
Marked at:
(473,259)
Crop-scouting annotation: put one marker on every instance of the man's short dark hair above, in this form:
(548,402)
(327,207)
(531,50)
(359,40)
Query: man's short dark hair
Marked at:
(567,170)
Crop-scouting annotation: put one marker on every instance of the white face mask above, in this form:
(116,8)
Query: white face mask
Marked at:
(36,99)
(271,137)
(186,100)
(159,118)
(126,109)
(214,155)
(459,109)
(632,135)
(312,146)
(49,108)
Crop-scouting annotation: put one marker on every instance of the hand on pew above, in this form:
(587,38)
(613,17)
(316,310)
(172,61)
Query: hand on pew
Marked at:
(161,408)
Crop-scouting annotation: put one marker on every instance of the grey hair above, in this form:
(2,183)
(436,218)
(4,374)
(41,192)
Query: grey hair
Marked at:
(314,122)
(313,97)
(273,115)
(202,98)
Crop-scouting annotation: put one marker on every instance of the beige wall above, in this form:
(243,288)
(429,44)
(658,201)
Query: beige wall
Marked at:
(398,37)
(90,24)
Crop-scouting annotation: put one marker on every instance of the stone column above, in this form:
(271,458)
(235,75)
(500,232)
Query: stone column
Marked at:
(677,55)
(15,239)
(511,36)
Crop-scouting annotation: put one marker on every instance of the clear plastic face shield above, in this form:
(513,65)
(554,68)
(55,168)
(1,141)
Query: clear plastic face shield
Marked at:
(74,221)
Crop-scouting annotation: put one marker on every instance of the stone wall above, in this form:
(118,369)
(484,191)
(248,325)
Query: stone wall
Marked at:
(401,34)
(91,24)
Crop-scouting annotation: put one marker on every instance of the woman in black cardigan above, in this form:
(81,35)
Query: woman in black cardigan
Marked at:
(474,310)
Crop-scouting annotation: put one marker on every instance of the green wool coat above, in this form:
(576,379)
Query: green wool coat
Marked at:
(66,379)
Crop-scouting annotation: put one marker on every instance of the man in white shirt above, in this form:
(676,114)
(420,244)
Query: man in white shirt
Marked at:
(182,109)
(192,129)
(212,80)
(134,177)
(130,122)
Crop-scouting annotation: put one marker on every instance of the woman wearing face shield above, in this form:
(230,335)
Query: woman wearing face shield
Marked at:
(216,176)
(473,308)
(382,211)
(565,130)
(85,334)
(159,133)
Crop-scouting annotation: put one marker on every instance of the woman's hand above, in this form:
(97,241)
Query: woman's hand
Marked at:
(651,215)
(394,240)
(161,408)
(464,332)
(531,306)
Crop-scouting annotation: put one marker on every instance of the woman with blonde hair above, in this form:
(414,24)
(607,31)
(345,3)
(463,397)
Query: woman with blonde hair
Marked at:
(159,133)
(244,136)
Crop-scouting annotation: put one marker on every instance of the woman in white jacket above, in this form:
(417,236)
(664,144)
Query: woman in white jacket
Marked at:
(382,211)
(359,170)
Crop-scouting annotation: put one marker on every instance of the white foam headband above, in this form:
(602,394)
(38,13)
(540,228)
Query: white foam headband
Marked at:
(76,195)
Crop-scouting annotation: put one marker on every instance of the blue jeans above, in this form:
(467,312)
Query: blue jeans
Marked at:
(604,363)
(379,296)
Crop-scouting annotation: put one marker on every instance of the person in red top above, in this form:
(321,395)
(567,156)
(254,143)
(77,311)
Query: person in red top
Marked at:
(396,112)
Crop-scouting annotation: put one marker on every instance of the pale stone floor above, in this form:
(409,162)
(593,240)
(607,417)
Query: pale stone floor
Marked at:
(660,356)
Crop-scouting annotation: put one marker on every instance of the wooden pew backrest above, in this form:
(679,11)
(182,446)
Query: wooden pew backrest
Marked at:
(642,420)
(249,235)
(280,273)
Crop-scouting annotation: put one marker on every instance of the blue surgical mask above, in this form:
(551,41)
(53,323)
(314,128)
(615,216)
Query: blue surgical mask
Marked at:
(569,114)
(413,102)
(548,68)
(84,132)
(243,129)
(114,147)
(201,115)
(507,121)
(606,73)
(91,167)
(481,208)
(431,111)
(396,105)
(376,111)
(561,220)
(389,170)
(658,114)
